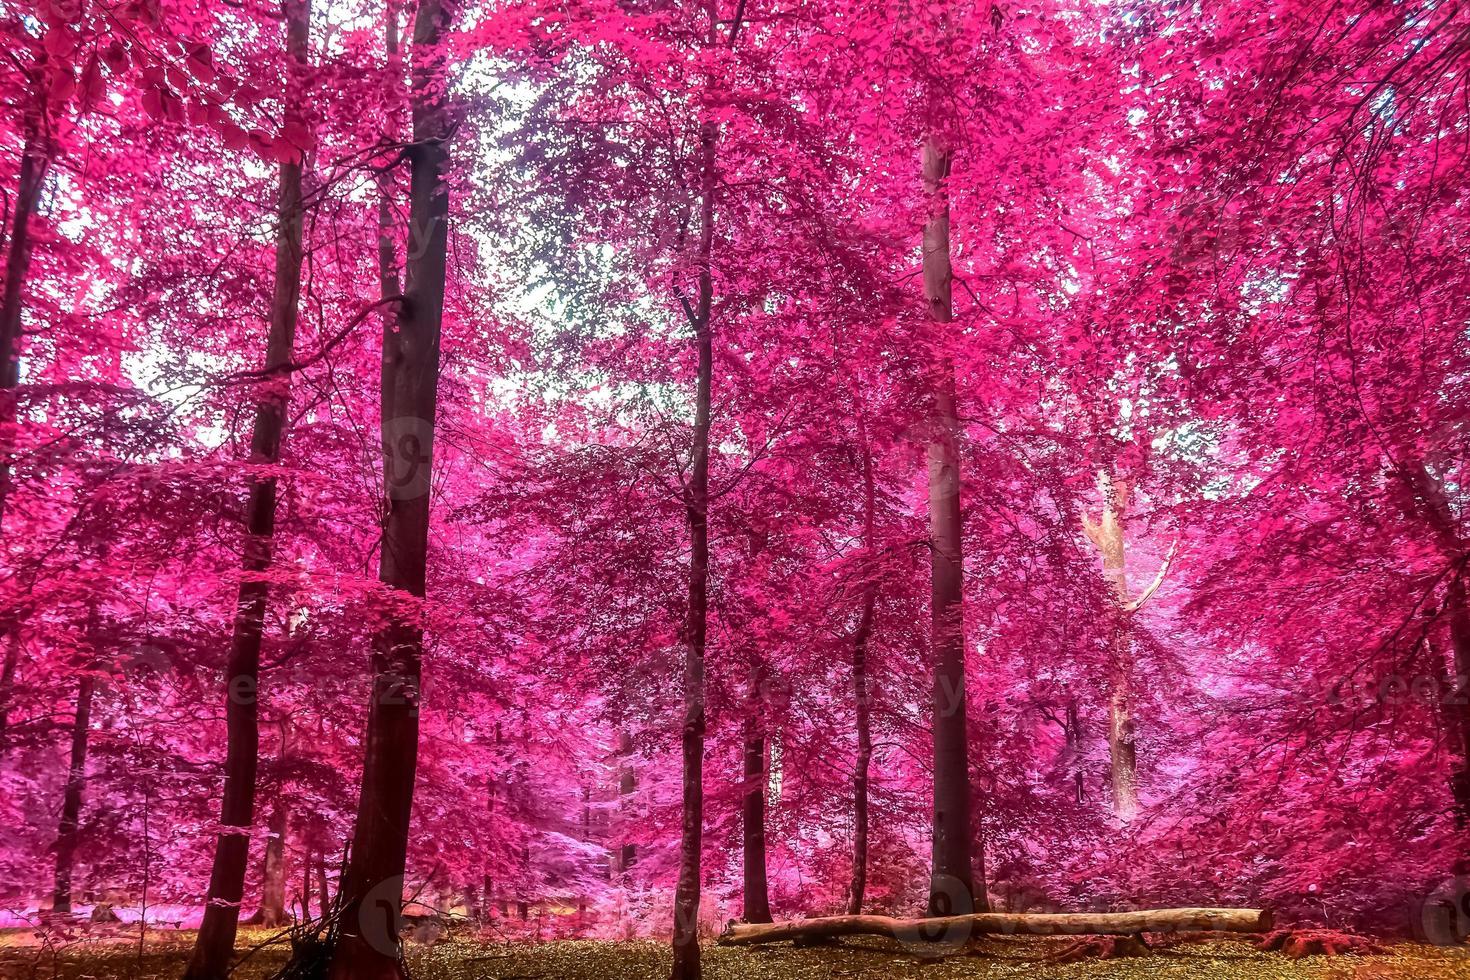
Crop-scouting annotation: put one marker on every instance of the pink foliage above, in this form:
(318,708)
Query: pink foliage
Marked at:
(1215,253)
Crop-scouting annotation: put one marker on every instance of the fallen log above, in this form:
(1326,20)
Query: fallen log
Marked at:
(946,928)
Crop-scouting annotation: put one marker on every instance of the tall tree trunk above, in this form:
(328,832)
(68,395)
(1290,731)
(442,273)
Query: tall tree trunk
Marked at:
(372,888)
(952,888)
(308,858)
(324,897)
(1074,750)
(1122,752)
(492,791)
(272,912)
(696,508)
(858,885)
(627,784)
(71,800)
(215,943)
(755,894)
(1458,610)
(1427,502)
(388,284)
(7,683)
(35,159)
(1108,535)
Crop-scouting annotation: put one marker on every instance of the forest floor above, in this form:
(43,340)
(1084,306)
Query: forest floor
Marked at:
(854,960)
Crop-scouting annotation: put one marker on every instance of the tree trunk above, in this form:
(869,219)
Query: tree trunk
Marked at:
(215,943)
(492,792)
(308,858)
(272,912)
(35,159)
(388,284)
(1009,923)
(756,902)
(1108,535)
(324,897)
(71,800)
(1427,502)
(1074,750)
(627,784)
(371,892)
(696,507)
(1122,752)
(1432,506)
(7,683)
(1458,611)
(952,881)
(862,708)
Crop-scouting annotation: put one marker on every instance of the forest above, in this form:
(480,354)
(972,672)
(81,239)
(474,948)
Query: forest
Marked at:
(734,488)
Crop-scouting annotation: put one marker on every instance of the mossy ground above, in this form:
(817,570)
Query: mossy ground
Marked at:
(855,960)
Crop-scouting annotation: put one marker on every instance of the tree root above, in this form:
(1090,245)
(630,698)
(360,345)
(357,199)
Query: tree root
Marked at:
(1296,943)
(1101,948)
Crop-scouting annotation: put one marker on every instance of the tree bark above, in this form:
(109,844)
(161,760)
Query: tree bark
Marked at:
(952,888)
(1009,923)
(627,784)
(1108,535)
(72,796)
(371,892)
(308,858)
(388,284)
(35,159)
(7,684)
(1074,750)
(272,912)
(215,943)
(1458,611)
(696,508)
(324,897)
(492,793)
(755,895)
(1431,505)
(858,884)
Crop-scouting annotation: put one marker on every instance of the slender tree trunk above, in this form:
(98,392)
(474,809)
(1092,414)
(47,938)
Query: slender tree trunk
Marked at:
(696,507)
(1428,503)
(388,284)
(1458,610)
(492,791)
(7,684)
(324,897)
(1108,536)
(1074,750)
(952,888)
(35,159)
(862,706)
(71,800)
(627,785)
(215,944)
(272,913)
(755,894)
(1122,752)
(372,888)
(308,858)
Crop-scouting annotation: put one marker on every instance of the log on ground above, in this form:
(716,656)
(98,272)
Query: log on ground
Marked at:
(1006,923)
